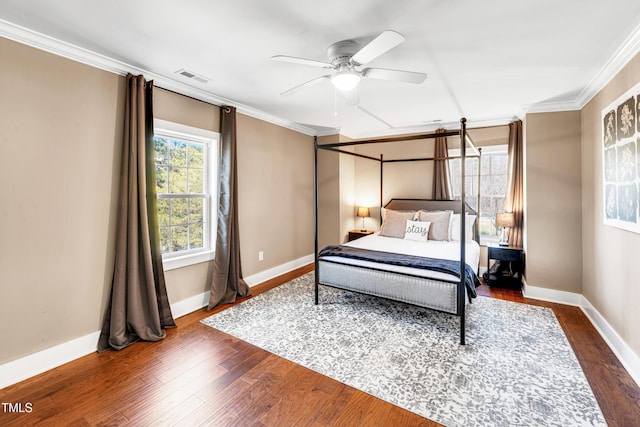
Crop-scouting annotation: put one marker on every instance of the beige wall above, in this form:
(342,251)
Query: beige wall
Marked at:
(336,194)
(61,126)
(347,198)
(275,194)
(610,277)
(59,159)
(328,195)
(553,232)
(176,108)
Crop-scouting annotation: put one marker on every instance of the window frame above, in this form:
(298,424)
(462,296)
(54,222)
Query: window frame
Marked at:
(211,140)
(487,150)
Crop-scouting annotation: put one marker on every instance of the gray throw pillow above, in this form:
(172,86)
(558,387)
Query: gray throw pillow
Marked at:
(394,223)
(439,223)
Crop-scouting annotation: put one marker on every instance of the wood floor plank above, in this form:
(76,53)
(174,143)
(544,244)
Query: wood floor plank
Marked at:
(331,407)
(220,384)
(218,398)
(179,412)
(144,408)
(285,410)
(200,376)
(355,410)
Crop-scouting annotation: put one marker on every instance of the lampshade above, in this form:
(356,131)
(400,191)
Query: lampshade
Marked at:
(345,79)
(363,212)
(505,220)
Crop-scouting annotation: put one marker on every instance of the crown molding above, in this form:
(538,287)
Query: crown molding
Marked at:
(49,44)
(548,107)
(620,58)
(328,132)
(43,42)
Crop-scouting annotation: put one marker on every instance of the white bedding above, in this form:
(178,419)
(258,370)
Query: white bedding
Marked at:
(429,249)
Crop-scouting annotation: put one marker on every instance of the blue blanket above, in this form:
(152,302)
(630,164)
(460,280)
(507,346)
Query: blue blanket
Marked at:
(424,263)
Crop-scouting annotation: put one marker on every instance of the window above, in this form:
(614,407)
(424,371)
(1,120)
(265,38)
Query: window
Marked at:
(186,183)
(493,186)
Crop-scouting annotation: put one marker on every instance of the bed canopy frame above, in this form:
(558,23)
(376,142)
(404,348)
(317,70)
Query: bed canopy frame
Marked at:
(464,140)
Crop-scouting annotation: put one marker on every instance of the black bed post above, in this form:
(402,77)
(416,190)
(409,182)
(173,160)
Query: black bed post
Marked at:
(315,213)
(461,288)
(381,163)
(477,226)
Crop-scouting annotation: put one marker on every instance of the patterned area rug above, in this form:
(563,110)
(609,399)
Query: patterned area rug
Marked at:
(517,368)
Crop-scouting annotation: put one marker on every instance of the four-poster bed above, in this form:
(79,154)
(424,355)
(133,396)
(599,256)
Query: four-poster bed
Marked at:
(408,271)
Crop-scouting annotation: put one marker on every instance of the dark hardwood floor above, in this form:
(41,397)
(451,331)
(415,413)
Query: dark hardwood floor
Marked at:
(199,376)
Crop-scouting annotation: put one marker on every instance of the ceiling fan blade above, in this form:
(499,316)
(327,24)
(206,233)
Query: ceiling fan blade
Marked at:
(310,83)
(394,75)
(384,42)
(303,61)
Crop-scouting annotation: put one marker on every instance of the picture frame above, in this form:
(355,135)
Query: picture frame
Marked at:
(621,161)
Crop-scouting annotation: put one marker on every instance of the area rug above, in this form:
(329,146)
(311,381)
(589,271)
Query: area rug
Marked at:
(517,368)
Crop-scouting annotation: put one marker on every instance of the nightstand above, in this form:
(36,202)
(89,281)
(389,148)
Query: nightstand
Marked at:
(356,234)
(510,274)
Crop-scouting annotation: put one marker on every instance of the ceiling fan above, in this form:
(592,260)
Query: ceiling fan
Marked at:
(347,58)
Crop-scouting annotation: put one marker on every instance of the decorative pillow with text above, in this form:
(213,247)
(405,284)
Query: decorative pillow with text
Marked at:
(417,230)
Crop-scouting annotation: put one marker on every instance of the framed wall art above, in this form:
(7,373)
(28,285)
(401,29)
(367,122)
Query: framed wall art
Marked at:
(621,161)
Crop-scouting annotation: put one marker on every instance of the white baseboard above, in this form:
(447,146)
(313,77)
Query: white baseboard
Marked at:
(42,361)
(37,363)
(623,352)
(269,274)
(190,304)
(551,295)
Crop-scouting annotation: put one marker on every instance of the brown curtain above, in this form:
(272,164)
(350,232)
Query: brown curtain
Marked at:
(227,283)
(441,183)
(139,305)
(514,198)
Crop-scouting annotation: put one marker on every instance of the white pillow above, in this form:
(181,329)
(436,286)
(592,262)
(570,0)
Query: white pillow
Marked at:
(417,230)
(454,227)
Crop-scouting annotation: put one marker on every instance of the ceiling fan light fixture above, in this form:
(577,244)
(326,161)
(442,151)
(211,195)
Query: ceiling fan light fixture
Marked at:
(345,80)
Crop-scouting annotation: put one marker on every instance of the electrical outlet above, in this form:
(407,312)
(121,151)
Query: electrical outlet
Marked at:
(260,256)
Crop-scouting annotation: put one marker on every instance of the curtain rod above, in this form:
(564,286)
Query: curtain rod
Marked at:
(190,97)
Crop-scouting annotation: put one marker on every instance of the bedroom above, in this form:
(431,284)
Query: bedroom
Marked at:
(64,279)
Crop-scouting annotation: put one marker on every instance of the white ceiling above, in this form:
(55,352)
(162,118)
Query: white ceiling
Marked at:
(486,60)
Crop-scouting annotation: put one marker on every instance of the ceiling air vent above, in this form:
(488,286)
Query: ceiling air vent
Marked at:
(191,75)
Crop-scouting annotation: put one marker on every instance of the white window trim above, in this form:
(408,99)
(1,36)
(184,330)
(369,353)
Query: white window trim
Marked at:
(212,139)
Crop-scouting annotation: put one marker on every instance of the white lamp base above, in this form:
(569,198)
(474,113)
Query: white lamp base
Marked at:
(503,238)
